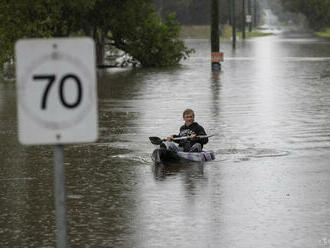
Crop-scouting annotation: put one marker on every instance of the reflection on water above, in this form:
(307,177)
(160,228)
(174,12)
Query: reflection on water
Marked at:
(192,169)
(268,187)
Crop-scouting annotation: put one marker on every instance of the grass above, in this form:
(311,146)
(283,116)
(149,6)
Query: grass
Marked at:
(203,32)
(195,32)
(324,33)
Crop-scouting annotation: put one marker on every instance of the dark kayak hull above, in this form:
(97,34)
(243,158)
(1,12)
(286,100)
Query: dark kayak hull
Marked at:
(163,155)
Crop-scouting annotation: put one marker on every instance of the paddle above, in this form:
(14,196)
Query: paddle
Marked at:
(157,141)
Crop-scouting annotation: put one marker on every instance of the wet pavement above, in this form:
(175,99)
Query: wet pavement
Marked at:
(268,187)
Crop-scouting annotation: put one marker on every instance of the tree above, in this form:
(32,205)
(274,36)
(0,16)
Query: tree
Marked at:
(37,18)
(145,36)
(316,11)
(130,25)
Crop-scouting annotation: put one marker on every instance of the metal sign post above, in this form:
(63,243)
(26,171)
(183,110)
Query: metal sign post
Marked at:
(57,103)
(60,196)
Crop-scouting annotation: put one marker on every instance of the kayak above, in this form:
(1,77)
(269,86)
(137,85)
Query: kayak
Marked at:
(164,155)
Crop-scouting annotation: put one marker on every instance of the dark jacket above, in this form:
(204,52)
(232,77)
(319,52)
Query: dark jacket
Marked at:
(194,128)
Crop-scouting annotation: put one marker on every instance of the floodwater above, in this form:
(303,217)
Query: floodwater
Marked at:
(268,187)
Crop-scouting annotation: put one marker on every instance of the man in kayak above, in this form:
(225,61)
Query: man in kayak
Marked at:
(191,129)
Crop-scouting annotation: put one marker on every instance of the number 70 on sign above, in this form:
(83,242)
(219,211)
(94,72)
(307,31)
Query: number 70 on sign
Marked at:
(50,81)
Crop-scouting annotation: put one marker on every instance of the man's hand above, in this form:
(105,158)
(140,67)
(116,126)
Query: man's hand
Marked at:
(169,138)
(192,137)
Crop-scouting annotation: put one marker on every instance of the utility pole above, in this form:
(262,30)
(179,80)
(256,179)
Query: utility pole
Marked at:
(215,43)
(255,14)
(243,19)
(229,11)
(233,22)
(250,14)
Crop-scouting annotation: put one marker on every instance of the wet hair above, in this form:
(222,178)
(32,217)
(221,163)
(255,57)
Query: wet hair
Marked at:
(188,111)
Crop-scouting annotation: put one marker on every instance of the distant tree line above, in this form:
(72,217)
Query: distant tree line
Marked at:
(317,12)
(192,12)
(130,25)
(197,12)
(314,13)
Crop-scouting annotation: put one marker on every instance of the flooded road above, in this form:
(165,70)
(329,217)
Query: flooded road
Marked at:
(268,187)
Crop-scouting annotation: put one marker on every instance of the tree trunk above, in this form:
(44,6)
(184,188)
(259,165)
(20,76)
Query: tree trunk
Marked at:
(99,38)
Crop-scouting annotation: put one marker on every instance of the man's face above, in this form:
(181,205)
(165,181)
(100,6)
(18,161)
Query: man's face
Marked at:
(188,119)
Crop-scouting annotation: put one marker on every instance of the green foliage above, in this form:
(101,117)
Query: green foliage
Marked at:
(317,12)
(130,25)
(324,33)
(37,18)
(141,33)
(193,12)
(152,42)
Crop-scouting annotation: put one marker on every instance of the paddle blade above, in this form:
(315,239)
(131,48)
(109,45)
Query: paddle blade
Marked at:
(155,140)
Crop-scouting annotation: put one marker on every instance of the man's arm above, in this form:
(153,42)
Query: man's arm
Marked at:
(199,132)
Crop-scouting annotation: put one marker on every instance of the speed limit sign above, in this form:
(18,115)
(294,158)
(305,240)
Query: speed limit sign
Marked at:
(56,91)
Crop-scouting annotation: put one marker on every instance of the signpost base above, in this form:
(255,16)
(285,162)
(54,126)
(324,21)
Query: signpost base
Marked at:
(216,66)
